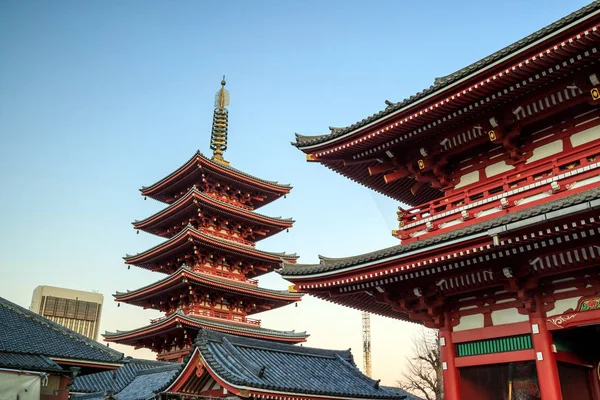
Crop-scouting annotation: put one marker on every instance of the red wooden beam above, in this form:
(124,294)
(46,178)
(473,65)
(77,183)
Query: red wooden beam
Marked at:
(497,358)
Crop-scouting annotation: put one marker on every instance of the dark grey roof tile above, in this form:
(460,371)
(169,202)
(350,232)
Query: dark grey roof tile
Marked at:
(441,83)
(332,264)
(260,364)
(30,333)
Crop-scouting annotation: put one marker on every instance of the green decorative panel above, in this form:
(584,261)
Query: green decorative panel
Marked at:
(490,346)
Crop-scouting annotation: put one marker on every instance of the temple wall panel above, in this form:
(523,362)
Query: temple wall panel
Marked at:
(470,322)
(586,136)
(546,150)
(508,316)
(467,179)
(498,168)
(561,306)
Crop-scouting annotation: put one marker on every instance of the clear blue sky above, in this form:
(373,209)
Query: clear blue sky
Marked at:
(100,98)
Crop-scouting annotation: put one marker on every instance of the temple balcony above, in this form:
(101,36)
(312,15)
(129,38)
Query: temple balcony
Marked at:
(551,178)
(196,311)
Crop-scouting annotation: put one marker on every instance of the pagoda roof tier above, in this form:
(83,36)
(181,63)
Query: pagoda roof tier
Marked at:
(189,236)
(184,277)
(177,320)
(440,119)
(416,255)
(191,172)
(187,206)
(258,369)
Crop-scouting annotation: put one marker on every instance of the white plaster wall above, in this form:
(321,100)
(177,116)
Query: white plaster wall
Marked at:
(508,316)
(498,168)
(546,150)
(560,306)
(469,322)
(467,179)
(586,136)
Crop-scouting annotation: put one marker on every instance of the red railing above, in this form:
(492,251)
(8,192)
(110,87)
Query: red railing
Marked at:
(564,170)
(219,315)
(231,238)
(225,275)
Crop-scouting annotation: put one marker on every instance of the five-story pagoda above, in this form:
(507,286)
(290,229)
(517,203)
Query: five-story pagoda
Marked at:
(209,255)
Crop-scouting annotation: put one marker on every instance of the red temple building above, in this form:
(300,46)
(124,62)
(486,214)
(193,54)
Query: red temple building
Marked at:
(499,165)
(209,257)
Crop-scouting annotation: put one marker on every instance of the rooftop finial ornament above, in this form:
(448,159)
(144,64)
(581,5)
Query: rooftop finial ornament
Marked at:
(218,137)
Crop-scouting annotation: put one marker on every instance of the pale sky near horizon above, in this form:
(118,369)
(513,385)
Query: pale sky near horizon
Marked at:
(100,98)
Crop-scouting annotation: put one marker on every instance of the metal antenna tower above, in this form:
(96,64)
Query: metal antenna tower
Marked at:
(366,333)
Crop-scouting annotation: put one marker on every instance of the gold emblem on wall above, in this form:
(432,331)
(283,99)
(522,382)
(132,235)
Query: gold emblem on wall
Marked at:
(421,164)
(595,93)
(492,136)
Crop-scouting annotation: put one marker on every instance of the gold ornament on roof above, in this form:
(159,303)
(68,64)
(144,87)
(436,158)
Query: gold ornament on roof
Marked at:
(218,137)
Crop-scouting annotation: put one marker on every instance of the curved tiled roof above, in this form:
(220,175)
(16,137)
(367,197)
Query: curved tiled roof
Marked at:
(221,282)
(215,324)
(260,365)
(116,379)
(190,230)
(332,264)
(441,83)
(35,362)
(235,171)
(30,333)
(145,384)
(226,207)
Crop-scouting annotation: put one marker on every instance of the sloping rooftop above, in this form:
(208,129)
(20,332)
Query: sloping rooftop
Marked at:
(33,362)
(216,324)
(145,384)
(258,364)
(332,264)
(115,380)
(32,334)
(444,82)
(210,240)
(213,281)
(224,170)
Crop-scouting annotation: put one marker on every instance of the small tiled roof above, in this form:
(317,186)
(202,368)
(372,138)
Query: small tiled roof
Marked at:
(29,333)
(229,244)
(235,171)
(114,380)
(217,324)
(226,207)
(220,282)
(332,264)
(144,385)
(262,365)
(443,82)
(33,362)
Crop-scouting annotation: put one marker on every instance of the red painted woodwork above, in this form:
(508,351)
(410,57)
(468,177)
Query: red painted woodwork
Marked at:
(496,358)
(210,255)
(491,332)
(547,368)
(450,373)
(464,262)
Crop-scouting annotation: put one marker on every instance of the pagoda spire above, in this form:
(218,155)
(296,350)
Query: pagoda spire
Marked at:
(218,137)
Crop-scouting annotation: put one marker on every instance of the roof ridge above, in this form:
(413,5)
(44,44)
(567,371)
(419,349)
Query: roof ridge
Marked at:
(290,269)
(248,342)
(203,194)
(156,370)
(216,279)
(59,328)
(441,83)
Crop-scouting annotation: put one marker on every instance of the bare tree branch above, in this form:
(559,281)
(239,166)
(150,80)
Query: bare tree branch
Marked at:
(423,374)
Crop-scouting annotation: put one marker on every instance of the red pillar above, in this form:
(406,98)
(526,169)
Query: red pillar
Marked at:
(547,369)
(447,356)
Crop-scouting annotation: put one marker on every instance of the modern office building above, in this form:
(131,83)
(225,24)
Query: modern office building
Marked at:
(77,310)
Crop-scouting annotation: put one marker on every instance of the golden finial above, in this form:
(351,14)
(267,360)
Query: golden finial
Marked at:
(218,138)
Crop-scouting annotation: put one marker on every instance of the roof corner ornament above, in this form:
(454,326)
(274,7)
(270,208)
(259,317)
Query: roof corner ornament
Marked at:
(218,137)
